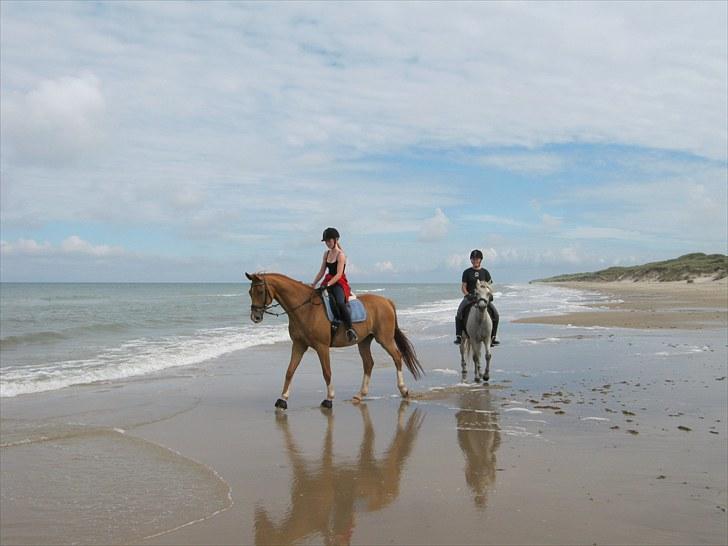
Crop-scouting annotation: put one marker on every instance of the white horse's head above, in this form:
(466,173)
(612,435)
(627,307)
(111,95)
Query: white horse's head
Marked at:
(484,294)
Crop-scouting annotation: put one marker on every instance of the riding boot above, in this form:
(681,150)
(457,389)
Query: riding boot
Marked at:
(495,318)
(350,333)
(458,331)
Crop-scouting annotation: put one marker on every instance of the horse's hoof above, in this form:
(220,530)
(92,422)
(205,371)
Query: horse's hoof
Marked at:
(282,404)
(405,394)
(477,379)
(328,404)
(486,378)
(356,399)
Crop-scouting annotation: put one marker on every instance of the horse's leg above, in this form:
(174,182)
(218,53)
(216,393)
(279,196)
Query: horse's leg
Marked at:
(476,360)
(325,359)
(463,352)
(296,355)
(486,375)
(365,350)
(487,341)
(391,347)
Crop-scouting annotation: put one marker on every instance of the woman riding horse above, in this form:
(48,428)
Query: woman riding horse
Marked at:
(309,326)
(335,280)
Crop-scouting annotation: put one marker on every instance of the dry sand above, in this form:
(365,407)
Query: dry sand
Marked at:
(583,436)
(648,305)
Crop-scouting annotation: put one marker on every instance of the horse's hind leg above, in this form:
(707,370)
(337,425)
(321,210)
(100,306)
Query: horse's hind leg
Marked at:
(365,350)
(296,354)
(391,347)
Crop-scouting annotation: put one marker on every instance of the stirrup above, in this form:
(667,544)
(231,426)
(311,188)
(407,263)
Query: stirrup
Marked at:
(494,342)
(351,335)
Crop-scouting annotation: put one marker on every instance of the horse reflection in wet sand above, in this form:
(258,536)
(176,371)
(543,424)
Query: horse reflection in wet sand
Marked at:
(479,439)
(325,494)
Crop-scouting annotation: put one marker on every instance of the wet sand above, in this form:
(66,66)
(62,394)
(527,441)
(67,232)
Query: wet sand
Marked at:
(583,435)
(648,305)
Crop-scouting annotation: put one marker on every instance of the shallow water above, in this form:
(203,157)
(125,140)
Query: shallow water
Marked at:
(569,440)
(56,335)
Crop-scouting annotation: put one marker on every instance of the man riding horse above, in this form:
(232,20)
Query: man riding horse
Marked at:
(469,279)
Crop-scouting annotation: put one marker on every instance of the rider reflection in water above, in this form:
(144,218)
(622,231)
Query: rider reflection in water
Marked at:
(334,264)
(470,277)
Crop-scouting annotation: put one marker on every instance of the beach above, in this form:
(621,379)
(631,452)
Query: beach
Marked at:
(601,431)
(647,305)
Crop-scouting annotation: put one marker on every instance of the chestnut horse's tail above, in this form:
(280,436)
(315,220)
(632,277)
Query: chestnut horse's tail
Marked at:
(407,350)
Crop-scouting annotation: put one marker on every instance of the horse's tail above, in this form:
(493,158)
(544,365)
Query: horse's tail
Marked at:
(408,353)
(406,349)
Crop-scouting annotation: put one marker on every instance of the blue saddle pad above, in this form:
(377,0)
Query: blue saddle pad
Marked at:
(356,309)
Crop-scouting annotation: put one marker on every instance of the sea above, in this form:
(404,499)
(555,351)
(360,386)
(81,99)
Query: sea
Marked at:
(53,336)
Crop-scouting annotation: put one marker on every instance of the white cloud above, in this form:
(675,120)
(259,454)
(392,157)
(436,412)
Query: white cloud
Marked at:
(58,121)
(72,245)
(493,219)
(24,247)
(527,163)
(385,267)
(456,261)
(550,222)
(434,228)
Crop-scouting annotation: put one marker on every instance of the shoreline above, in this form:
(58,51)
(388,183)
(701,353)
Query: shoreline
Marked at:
(648,305)
(590,438)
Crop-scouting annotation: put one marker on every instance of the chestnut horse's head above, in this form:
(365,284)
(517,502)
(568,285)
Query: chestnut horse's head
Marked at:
(260,298)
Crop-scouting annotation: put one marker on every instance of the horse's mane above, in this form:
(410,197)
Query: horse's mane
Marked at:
(282,276)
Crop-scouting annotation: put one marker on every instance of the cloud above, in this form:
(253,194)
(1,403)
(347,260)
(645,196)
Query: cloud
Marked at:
(550,222)
(27,247)
(434,228)
(493,219)
(456,261)
(385,267)
(526,163)
(72,245)
(56,122)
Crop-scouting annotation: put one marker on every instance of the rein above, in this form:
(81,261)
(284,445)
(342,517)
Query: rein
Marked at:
(266,306)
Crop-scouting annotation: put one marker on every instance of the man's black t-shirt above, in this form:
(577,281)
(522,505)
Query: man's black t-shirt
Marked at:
(472,275)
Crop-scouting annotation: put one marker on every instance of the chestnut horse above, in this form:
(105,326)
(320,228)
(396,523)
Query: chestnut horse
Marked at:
(308,326)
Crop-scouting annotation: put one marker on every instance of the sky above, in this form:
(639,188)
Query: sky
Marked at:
(192,142)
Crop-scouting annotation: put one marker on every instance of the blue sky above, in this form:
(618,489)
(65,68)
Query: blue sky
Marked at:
(180,141)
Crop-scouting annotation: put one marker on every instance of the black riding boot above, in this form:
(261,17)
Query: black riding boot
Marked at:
(495,318)
(338,292)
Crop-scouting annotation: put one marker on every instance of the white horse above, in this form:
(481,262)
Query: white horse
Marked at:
(477,332)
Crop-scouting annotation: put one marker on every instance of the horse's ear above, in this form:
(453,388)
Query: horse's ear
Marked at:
(248,275)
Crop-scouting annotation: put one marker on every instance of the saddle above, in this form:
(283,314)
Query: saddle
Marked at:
(357,311)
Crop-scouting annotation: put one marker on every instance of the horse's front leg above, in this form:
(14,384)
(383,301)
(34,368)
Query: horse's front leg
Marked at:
(296,355)
(365,350)
(463,351)
(325,359)
(488,354)
(476,361)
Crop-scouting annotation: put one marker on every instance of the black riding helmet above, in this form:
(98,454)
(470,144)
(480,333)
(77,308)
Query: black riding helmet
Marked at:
(476,254)
(330,233)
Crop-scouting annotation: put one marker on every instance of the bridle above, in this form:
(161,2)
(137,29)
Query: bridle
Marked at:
(265,308)
(483,299)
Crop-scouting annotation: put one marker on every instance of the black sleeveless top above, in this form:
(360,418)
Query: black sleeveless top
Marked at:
(333,266)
